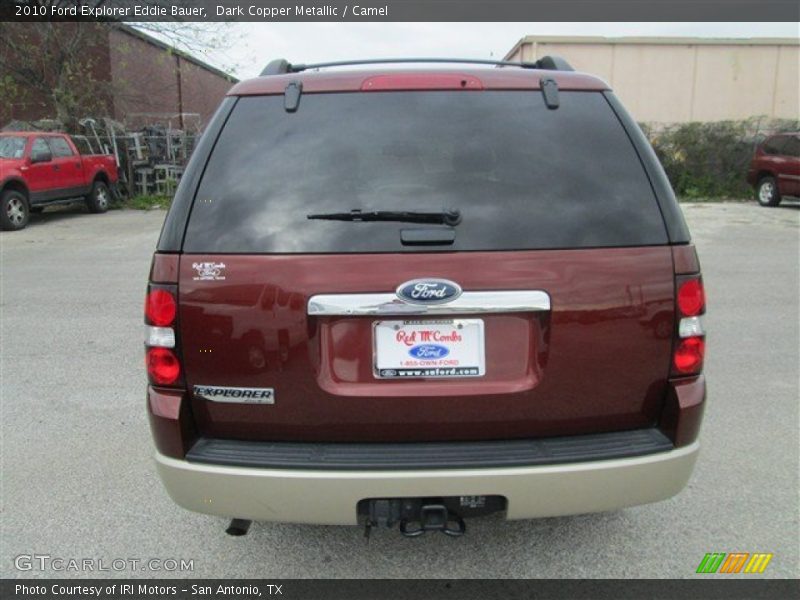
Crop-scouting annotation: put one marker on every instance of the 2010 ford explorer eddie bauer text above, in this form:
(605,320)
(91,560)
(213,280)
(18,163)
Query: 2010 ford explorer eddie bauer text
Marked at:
(413,296)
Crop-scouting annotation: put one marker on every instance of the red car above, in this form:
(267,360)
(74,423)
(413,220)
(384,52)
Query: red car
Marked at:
(775,169)
(40,169)
(409,297)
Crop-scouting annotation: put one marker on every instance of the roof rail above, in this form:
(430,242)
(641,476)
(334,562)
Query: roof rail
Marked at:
(554,63)
(277,67)
(549,63)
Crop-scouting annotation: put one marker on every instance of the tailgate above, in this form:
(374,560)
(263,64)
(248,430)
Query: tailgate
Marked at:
(591,354)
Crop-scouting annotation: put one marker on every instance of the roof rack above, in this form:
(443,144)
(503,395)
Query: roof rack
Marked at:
(549,63)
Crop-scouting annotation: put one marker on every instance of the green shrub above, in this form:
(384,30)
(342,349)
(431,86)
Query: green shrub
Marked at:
(710,160)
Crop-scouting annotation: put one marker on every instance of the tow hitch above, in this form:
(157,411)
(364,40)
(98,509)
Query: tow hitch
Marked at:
(417,516)
(434,517)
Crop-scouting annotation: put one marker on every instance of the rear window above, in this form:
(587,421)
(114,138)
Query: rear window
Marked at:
(523,176)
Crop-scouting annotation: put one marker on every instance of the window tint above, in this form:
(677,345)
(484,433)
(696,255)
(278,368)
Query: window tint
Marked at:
(60,147)
(523,176)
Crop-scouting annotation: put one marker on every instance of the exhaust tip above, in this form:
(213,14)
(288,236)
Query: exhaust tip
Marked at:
(238,527)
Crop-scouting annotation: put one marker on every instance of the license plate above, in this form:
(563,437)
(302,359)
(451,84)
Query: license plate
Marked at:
(446,348)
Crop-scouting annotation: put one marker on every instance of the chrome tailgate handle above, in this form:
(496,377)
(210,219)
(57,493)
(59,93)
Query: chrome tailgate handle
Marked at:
(383,304)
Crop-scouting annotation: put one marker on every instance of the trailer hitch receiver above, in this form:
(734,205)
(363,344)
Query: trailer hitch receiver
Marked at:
(417,516)
(434,517)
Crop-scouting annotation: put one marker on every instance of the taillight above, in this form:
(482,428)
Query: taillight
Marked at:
(688,357)
(160,314)
(690,343)
(160,307)
(691,297)
(163,367)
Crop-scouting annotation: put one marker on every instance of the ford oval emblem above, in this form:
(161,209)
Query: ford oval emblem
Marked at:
(428,351)
(429,291)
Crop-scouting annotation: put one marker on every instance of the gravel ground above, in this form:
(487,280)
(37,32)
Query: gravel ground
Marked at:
(78,480)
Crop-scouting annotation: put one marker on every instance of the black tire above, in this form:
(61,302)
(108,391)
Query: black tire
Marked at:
(99,198)
(14,211)
(767,192)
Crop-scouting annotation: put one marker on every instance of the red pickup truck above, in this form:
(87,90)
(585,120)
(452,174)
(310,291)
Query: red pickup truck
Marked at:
(40,169)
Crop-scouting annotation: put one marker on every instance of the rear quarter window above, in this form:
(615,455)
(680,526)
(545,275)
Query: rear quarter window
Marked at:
(522,175)
(775,146)
(82,144)
(60,147)
(792,147)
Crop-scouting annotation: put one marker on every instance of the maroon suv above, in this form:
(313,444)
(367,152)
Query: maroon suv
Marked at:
(414,296)
(775,169)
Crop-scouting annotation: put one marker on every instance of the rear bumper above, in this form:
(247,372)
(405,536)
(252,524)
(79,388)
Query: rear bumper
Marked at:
(331,496)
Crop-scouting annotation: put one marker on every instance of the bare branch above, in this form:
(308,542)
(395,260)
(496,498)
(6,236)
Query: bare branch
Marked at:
(60,61)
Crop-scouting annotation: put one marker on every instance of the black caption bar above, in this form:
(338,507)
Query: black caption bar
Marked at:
(388,589)
(402,10)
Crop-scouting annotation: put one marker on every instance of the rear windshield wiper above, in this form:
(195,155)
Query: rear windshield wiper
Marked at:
(450,216)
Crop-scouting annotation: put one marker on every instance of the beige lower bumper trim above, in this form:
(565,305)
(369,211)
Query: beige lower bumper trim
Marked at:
(330,497)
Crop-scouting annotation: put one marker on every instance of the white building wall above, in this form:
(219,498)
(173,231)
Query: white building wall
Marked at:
(675,80)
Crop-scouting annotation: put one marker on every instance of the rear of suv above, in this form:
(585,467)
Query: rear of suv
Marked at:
(415,296)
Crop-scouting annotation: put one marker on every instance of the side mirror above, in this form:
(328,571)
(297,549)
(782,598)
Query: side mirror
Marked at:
(41,156)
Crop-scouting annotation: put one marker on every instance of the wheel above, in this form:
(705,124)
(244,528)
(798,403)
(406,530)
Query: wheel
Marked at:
(14,211)
(99,198)
(767,192)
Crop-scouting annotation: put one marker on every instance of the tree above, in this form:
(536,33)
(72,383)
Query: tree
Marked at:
(66,63)
(56,61)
